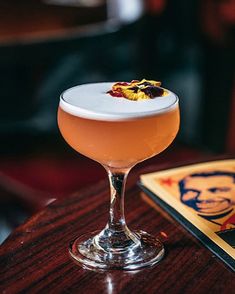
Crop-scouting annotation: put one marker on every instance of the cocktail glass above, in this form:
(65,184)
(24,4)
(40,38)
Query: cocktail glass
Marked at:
(118,144)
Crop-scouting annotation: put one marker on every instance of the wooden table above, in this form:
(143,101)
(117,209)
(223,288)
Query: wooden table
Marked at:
(35,259)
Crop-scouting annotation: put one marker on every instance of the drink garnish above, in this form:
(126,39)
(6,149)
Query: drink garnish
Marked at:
(137,90)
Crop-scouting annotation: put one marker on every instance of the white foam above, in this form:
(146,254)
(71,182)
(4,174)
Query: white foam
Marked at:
(92,101)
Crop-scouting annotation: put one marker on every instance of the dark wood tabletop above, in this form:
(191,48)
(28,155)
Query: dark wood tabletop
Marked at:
(35,259)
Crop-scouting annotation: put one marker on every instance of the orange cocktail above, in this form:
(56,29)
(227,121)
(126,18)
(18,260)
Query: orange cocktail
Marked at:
(118,125)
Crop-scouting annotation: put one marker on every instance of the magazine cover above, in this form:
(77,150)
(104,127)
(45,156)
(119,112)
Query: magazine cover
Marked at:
(202,198)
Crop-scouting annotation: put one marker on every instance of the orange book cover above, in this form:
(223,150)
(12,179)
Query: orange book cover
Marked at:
(202,198)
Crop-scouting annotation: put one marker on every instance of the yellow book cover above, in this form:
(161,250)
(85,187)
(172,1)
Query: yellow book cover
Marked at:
(202,198)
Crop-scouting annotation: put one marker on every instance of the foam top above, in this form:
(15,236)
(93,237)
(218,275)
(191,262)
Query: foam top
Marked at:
(92,101)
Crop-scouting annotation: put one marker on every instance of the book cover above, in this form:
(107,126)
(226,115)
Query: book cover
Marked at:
(202,198)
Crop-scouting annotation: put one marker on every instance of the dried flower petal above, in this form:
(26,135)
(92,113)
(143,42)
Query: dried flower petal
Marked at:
(137,90)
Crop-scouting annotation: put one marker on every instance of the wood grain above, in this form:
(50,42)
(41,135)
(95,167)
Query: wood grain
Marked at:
(35,259)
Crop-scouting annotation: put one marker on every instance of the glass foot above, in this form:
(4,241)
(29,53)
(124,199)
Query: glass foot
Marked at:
(145,251)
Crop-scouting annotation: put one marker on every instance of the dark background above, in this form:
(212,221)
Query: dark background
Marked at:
(48,46)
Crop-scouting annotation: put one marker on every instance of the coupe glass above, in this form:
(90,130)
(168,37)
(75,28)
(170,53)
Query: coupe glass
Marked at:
(118,145)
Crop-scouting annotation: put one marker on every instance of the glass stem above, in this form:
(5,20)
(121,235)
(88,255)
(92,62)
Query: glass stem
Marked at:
(117,182)
(116,236)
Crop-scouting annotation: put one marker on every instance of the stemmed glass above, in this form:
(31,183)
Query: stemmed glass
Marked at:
(117,141)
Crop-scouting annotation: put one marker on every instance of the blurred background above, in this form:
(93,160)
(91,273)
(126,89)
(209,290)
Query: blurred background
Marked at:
(47,46)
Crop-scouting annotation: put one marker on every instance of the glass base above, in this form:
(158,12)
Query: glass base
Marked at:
(145,251)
